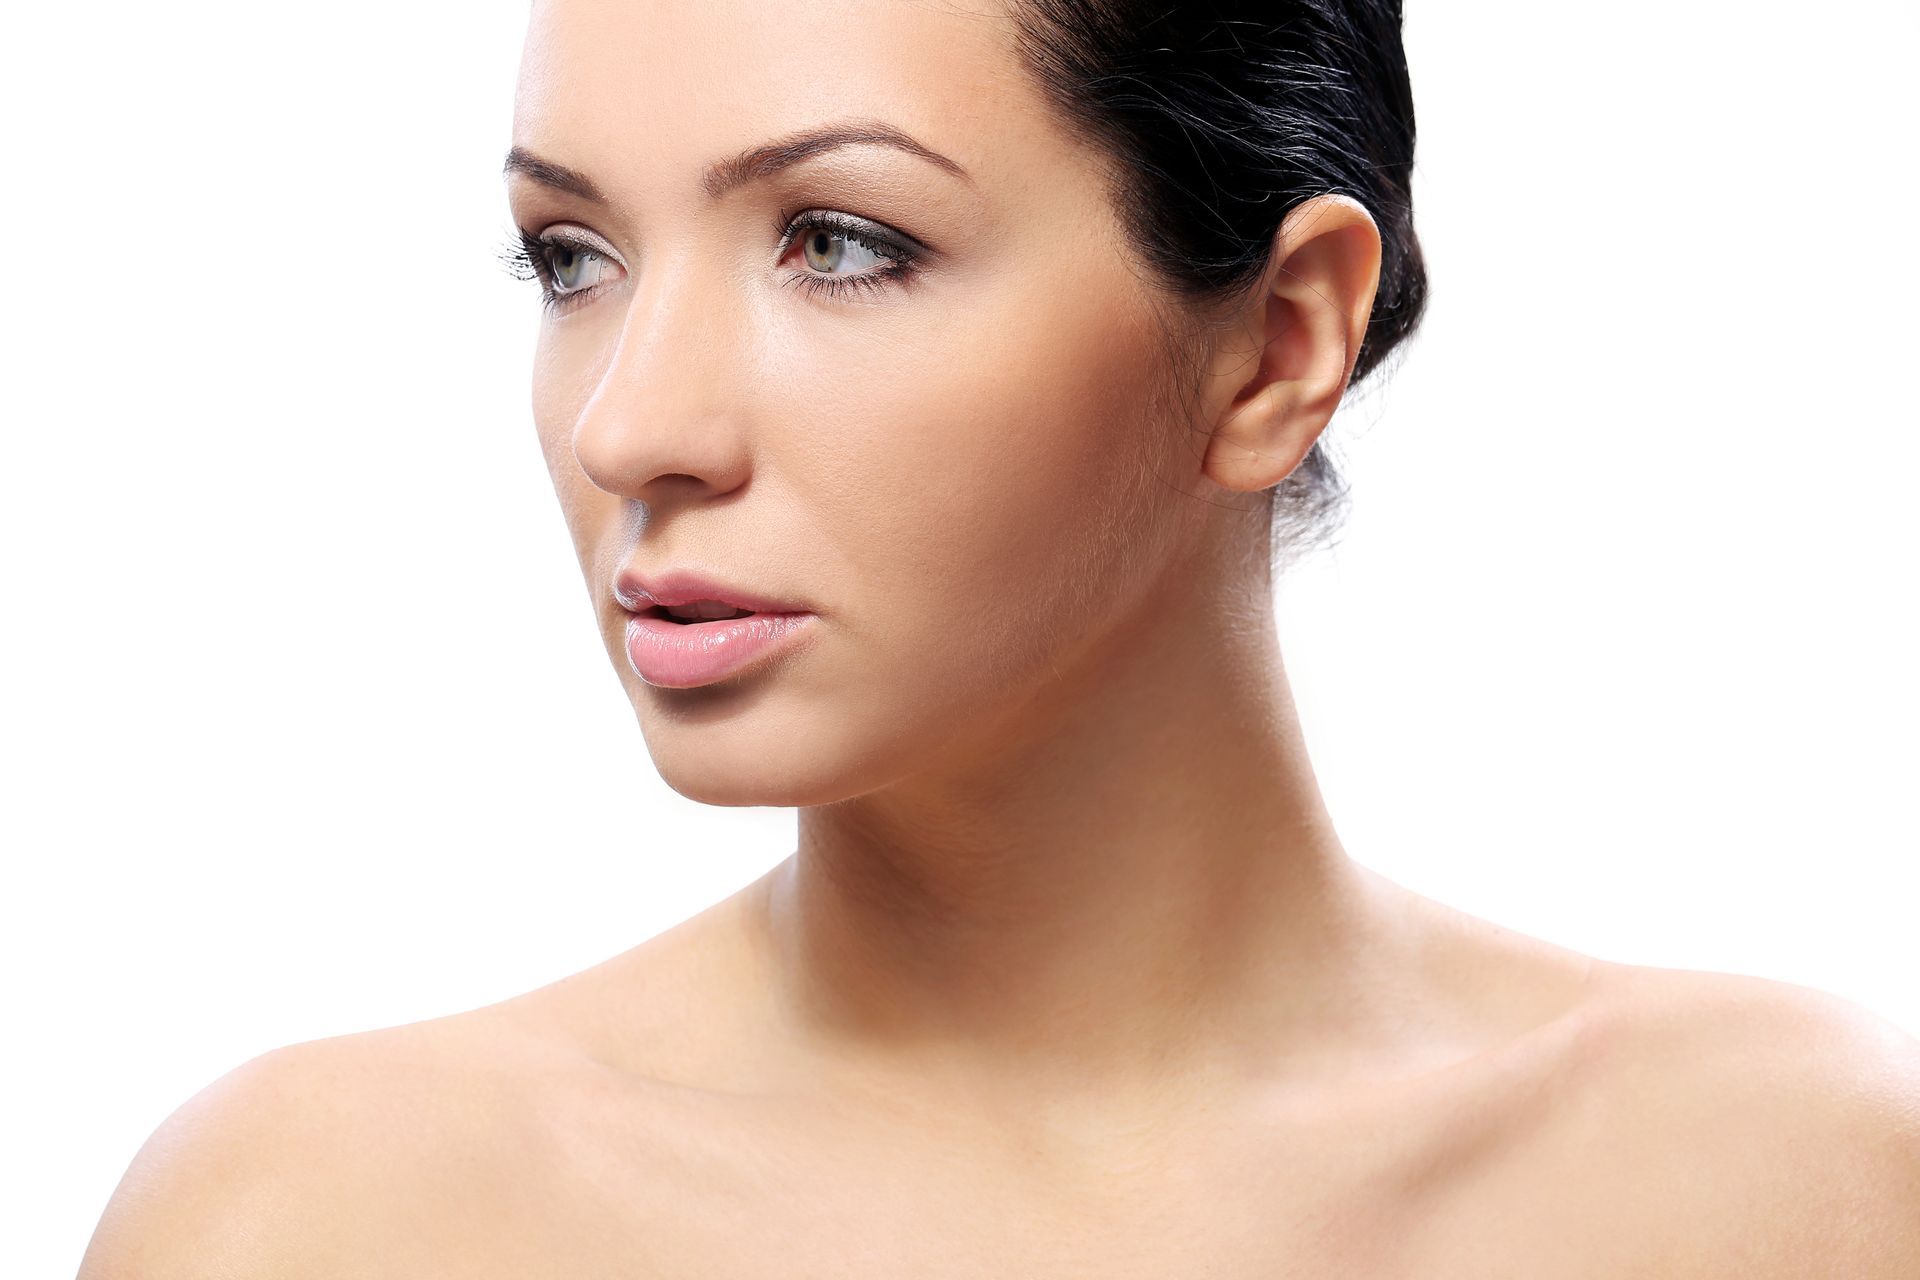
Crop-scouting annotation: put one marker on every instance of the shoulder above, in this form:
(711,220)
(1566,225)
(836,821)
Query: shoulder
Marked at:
(1765,1117)
(1815,1057)
(306,1157)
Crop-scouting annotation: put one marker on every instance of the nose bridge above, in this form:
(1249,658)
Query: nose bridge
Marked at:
(665,399)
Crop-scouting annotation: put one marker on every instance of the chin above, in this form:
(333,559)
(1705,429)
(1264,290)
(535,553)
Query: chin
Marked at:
(720,750)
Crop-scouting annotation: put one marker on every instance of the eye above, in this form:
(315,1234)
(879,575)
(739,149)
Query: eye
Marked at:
(842,254)
(567,268)
(574,268)
(839,255)
(827,251)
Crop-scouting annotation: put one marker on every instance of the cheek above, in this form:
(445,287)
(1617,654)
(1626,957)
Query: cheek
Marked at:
(563,384)
(995,491)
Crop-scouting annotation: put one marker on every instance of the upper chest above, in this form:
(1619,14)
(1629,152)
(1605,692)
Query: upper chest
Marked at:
(1515,1166)
(708,1186)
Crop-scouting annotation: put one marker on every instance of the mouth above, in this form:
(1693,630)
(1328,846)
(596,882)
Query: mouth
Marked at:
(695,614)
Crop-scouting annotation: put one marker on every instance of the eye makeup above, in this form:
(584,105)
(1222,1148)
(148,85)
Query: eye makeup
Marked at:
(900,254)
(557,256)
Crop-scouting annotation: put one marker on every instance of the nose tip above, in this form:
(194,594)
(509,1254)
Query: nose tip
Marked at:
(664,421)
(644,455)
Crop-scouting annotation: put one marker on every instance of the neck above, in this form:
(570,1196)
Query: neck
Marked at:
(1131,873)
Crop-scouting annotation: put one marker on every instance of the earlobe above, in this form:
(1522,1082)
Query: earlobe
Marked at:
(1276,382)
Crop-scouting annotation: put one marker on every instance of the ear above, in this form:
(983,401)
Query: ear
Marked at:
(1277,376)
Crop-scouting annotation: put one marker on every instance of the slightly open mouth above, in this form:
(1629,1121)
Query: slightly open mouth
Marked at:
(661,611)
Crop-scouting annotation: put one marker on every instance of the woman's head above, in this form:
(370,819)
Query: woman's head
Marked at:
(996,389)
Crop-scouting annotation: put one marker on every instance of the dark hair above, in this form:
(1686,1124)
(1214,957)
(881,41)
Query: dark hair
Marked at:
(1219,117)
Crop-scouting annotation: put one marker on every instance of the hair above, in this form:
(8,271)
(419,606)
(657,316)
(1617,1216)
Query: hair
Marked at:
(1216,118)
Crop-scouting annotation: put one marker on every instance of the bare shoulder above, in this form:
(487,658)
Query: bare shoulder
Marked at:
(474,1144)
(1773,1120)
(1817,1059)
(314,1157)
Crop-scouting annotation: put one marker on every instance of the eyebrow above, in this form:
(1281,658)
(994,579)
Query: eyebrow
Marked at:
(724,175)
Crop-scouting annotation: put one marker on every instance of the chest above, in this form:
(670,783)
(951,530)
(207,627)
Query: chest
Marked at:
(775,1200)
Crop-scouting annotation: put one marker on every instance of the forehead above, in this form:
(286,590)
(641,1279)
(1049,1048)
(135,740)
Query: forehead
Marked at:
(651,91)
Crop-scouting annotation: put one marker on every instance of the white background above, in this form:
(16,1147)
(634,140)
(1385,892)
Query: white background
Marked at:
(307,729)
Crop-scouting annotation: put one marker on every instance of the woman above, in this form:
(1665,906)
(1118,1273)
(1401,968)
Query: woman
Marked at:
(981,352)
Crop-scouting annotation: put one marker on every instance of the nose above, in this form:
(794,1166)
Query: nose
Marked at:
(665,416)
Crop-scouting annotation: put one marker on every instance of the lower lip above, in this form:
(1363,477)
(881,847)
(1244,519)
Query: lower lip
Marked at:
(683,655)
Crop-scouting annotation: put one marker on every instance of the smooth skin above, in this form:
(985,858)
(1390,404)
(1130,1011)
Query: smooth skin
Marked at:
(1069,974)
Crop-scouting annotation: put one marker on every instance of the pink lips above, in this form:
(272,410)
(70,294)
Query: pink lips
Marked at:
(684,655)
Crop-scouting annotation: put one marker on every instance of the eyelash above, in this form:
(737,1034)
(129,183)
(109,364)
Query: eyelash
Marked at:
(528,257)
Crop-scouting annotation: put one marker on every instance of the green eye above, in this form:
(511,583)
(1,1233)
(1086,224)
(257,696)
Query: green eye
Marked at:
(832,241)
(827,251)
(566,269)
(574,268)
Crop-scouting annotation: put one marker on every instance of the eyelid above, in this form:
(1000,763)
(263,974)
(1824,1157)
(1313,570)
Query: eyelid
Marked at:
(575,236)
(849,226)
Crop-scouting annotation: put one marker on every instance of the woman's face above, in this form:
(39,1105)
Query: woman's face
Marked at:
(965,471)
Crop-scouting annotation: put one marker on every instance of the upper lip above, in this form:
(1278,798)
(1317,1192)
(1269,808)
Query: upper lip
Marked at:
(682,586)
